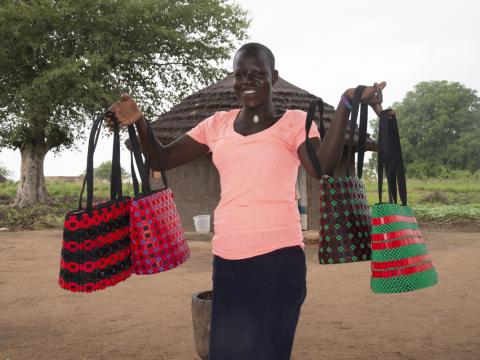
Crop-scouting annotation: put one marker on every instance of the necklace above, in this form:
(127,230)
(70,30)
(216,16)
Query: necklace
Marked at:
(256,118)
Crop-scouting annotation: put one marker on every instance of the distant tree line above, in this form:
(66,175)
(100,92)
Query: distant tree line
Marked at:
(439,124)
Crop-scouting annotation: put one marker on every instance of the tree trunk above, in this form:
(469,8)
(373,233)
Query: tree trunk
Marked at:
(31,188)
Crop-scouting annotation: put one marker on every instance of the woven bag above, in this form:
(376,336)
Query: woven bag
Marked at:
(158,241)
(344,211)
(96,239)
(400,260)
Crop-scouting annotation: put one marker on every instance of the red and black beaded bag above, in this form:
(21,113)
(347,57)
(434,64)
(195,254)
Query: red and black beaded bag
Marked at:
(96,239)
(345,217)
(158,241)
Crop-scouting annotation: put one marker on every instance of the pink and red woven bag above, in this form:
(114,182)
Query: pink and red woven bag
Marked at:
(157,239)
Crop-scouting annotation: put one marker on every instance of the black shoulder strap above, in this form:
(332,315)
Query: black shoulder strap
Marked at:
(390,158)
(156,144)
(308,124)
(143,171)
(115,175)
(142,162)
(357,96)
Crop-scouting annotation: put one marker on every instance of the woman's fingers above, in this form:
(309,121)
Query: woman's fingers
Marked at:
(373,94)
(377,108)
(125,97)
(382,85)
(126,112)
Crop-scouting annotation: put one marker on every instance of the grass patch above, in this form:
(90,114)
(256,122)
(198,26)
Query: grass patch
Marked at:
(447,213)
(434,201)
(433,191)
(64,198)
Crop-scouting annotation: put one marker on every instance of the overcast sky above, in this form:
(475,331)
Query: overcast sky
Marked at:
(325,47)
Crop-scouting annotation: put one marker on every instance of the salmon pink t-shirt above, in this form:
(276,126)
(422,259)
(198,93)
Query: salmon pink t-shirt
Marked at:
(257,212)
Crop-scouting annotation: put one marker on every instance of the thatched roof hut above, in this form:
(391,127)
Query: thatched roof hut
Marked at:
(220,97)
(196,185)
(2,178)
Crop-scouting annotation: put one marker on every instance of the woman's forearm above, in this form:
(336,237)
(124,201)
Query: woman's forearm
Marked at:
(164,157)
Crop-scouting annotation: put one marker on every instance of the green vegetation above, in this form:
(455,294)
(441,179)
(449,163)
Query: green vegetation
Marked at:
(103,171)
(434,192)
(64,197)
(447,202)
(450,201)
(439,124)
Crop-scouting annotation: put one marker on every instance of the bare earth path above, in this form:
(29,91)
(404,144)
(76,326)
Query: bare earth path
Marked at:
(149,317)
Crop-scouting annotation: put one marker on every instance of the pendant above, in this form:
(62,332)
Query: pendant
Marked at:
(256,119)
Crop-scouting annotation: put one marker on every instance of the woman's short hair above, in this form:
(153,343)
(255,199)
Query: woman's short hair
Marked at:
(256,48)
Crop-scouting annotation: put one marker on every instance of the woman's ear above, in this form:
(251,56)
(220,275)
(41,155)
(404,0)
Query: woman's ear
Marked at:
(274,77)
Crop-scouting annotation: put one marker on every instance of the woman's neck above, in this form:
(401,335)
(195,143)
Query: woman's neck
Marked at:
(265,113)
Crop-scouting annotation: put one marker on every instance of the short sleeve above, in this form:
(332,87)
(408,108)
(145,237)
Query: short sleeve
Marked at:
(201,132)
(299,136)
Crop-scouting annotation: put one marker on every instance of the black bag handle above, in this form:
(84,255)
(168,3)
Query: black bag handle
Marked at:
(398,160)
(318,103)
(386,159)
(142,162)
(390,158)
(116,172)
(143,170)
(115,175)
(357,96)
(362,134)
(156,144)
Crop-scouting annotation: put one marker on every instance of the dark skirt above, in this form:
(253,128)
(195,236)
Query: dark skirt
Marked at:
(256,305)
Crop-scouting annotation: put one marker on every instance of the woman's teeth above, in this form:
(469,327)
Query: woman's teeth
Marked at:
(249,91)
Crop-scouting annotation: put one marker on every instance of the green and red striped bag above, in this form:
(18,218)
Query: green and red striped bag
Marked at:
(400,260)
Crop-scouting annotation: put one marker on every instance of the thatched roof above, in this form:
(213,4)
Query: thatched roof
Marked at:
(220,97)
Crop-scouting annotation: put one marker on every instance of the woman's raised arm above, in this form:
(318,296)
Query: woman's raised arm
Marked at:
(330,148)
(161,157)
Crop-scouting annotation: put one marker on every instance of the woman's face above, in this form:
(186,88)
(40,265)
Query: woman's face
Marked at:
(253,79)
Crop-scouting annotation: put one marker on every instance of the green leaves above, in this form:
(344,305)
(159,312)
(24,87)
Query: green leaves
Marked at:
(439,124)
(437,121)
(103,171)
(63,61)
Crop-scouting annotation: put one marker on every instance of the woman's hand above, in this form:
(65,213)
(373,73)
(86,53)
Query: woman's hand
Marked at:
(372,95)
(126,111)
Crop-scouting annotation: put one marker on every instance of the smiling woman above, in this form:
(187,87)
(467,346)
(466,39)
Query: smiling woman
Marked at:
(259,270)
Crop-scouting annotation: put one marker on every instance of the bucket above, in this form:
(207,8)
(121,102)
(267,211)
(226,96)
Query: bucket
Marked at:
(202,223)
(201,314)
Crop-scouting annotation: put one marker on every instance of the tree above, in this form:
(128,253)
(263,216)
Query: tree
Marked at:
(103,171)
(439,124)
(62,62)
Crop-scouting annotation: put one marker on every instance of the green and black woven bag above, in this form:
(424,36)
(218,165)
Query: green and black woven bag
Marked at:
(344,211)
(400,260)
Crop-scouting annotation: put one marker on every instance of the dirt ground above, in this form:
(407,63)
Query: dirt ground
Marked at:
(149,317)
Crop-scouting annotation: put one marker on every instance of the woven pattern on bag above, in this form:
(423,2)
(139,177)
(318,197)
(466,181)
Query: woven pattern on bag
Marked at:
(96,247)
(344,220)
(400,260)
(158,241)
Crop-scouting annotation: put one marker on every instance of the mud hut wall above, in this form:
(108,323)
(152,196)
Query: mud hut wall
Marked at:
(196,187)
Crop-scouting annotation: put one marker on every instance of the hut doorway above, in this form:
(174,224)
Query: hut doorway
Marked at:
(302,197)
